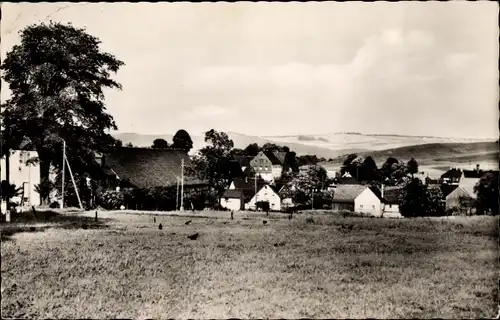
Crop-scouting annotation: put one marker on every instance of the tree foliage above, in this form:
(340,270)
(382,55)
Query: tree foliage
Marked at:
(57,75)
(182,140)
(252,149)
(160,144)
(487,192)
(213,161)
(412,167)
(417,199)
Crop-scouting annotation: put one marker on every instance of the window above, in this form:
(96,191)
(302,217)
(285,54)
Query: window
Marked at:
(260,168)
(361,206)
(390,206)
(373,206)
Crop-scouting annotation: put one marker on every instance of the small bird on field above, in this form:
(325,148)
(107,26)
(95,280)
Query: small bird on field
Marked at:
(160,226)
(188,222)
(264,222)
(193,236)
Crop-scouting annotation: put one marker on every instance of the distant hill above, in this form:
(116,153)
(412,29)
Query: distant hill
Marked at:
(429,151)
(240,141)
(437,156)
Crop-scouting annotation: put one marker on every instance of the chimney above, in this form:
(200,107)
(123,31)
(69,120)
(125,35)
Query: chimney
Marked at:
(477,168)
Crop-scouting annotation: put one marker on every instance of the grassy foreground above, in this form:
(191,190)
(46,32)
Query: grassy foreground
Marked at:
(312,266)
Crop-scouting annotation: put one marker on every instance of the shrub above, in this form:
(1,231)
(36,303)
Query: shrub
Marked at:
(111,199)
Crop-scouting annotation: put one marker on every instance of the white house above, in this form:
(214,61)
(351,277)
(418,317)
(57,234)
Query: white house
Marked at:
(23,175)
(233,199)
(358,198)
(266,194)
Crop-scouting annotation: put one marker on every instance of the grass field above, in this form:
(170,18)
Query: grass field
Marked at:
(320,266)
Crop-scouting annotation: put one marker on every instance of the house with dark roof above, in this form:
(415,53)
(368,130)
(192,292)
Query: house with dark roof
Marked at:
(358,198)
(451,176)
(243,161)
(146,168)
(267,165)
(242,195)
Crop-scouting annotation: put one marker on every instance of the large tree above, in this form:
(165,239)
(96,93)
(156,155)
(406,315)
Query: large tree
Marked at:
(182,140)
(252,149)
(57,76)
(412,167)
(487,192)
(369,171)
(213,161)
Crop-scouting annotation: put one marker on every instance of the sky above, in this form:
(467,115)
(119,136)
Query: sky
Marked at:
(409,68)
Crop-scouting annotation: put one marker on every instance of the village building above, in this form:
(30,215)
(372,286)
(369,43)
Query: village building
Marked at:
(358,198)
(25,175)
(242,195)
(390,196)
(267,165)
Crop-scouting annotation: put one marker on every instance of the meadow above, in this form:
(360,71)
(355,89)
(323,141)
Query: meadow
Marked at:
(313,266)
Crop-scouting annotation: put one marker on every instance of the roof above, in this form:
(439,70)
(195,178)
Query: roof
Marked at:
(244,161)
(446,189)
(391,195)
(235,169)
(473,173)
(144,167)
(348,192)
(452,173)
(281,155)
(232,194)
(348,181)
(247,184)
(272,157)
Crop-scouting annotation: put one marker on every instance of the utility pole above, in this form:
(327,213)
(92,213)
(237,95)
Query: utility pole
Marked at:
(177,196)
(63,176)
(182,184)
(74,184)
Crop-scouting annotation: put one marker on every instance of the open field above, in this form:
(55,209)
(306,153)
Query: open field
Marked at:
(317,266)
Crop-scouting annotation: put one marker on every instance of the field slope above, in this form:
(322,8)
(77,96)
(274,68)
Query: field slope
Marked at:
(321,267)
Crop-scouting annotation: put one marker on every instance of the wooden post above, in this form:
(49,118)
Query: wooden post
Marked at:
(96,216)
(63,175)
(182,184)
(74,184)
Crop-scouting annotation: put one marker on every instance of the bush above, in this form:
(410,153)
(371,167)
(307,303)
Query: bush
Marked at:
(111,199)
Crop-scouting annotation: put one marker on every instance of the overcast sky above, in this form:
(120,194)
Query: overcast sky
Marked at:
(421,68)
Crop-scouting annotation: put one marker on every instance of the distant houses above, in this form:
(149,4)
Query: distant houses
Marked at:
(246,195)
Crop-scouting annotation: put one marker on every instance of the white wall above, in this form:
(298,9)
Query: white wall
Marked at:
(468,185)
(231,204)
(277,169)
(266,193)
(268,177)
(368,202)
(21,173)
(391,208)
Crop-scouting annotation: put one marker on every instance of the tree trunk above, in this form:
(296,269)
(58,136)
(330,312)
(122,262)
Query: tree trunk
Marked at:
(44,178)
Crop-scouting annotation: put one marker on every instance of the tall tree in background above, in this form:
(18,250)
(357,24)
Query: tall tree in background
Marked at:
(413,199)
(252,149)
(387,169)
(369,171)
(487,192)
(412,167)
(57,75)
(346,165)
(160,144)
(182,140)
(213,161)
